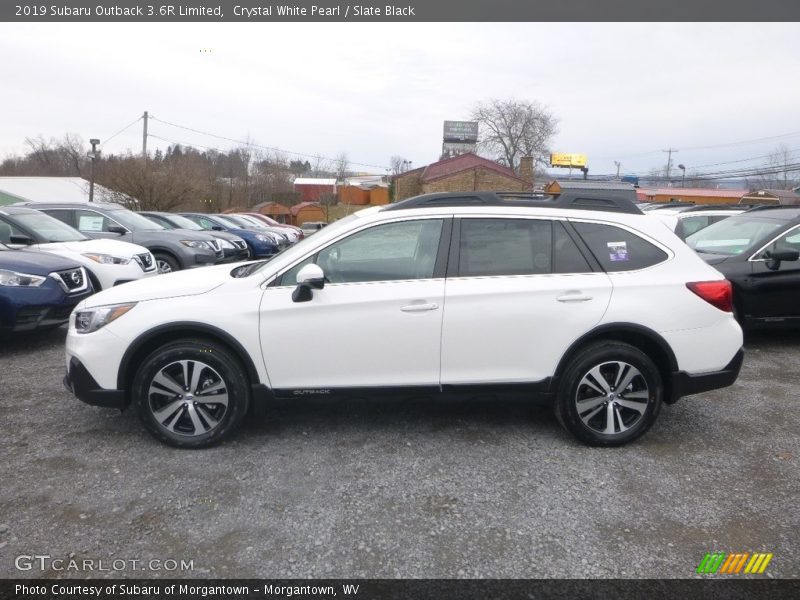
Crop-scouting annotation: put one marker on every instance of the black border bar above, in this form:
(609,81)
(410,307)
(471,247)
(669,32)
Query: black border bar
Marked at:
(710,588)
(254,11)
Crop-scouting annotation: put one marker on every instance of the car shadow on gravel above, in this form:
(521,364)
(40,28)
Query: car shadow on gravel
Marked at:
(33,341)
(772,337)
(398,415)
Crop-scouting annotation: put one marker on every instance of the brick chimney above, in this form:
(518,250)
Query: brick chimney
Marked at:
(526,169)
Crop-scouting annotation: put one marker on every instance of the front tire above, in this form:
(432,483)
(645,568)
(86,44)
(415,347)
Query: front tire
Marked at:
(610,394)
(166,263)
(191,393)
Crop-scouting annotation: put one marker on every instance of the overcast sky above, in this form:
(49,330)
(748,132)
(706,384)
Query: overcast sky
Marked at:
(620,91)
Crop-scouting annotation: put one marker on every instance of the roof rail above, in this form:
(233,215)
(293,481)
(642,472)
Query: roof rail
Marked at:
(622,201)
(702,207)
(773,207)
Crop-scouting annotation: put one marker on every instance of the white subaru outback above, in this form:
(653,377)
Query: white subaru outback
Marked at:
(576,299)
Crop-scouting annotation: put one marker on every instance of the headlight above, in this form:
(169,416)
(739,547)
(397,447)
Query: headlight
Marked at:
(87,321)
(108,259)
(264,238)
(195,244)
(13,279)
(226,244)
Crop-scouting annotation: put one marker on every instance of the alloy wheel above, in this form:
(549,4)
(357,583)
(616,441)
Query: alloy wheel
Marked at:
(188,397)
(163,266)
(612,397)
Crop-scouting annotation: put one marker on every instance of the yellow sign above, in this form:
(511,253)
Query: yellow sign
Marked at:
(562,159)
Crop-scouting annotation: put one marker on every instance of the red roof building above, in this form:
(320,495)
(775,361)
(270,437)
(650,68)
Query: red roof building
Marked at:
(462,173)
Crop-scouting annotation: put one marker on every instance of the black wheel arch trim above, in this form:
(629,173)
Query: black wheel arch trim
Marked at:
(184,328)
(169,252)
(619,331)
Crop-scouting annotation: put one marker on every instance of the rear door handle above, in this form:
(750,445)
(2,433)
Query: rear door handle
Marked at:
(420,307)
(573,297)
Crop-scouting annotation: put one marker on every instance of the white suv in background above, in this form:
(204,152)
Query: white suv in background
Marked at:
(577,299)
(108,262)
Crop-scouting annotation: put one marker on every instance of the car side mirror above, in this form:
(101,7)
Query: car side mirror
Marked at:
(217,228)
(310,277)
(117,229)
(776,257)
(20,239)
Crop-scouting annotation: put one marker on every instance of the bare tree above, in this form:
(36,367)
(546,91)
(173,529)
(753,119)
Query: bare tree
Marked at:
(782,171)
(511,129)
(342,167)
(397,164)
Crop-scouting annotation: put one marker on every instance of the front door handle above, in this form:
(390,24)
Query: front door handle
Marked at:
(420,307)
(575,296)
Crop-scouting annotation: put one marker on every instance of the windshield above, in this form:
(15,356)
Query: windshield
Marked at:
(733,235)
(227,222)
(239,221)
(48,228)
(181,222)
(298,249)
(133,221)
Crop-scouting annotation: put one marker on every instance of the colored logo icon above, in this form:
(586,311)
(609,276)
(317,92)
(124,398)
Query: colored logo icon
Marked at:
(734,563)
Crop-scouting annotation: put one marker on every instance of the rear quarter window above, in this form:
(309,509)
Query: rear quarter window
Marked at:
(618,249)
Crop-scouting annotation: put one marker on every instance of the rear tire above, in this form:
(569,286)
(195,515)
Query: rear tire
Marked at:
(191,393)
(609,395)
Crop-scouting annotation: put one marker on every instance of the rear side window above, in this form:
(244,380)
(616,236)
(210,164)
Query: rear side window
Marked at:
(505,247)
(617,249)
(566,256)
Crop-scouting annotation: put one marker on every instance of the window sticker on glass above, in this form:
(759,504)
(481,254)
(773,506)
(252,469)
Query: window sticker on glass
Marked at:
(617,251)
(90,223)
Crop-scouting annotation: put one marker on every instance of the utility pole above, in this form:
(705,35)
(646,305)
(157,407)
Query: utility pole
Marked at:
(93,156)
(669,152)
(144,135)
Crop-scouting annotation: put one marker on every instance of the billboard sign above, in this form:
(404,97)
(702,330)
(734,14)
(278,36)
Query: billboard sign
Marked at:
(460,131)
(562,159)
(455,148)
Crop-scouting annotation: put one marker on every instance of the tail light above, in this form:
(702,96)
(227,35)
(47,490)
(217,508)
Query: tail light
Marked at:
(716,293)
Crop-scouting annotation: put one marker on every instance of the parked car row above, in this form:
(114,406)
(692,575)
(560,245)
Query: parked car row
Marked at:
(109,245)
(757,248)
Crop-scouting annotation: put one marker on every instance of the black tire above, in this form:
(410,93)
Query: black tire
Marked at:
(593,411)
(192,418)
(169,264)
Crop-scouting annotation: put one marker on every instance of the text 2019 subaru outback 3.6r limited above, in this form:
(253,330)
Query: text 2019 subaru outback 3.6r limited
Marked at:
(576,299)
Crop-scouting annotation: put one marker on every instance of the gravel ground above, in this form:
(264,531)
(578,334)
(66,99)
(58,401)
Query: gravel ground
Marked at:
(413,488)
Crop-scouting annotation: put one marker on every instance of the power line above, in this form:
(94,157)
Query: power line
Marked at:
(121,130)
(271,148)
(724,145)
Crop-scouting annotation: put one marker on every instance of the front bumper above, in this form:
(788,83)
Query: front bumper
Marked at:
(684,384)
(80,383)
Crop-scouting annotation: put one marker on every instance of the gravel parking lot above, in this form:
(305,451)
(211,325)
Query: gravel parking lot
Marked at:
(412,488)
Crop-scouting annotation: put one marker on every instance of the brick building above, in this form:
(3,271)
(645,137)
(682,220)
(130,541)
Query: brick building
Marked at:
(463,173)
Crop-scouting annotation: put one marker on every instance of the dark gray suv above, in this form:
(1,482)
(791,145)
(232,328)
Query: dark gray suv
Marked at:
(173,249)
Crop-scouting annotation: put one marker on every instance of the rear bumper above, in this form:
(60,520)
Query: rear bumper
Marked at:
(684,384)
(80,382)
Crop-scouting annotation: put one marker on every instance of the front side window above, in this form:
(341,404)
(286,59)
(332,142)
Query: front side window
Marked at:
(90,221)
(788,241)
(390,252)
(618,249)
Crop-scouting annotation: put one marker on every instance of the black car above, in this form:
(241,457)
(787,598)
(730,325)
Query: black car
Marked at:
(758,252)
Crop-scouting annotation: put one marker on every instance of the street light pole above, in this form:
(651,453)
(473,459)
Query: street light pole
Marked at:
(683,175)
(93,156)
